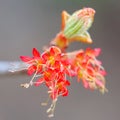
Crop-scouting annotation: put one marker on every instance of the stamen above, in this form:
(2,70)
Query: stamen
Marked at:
(31,81)
(25,85)
(45,103)
(38,75)
(52,108)
(51,115)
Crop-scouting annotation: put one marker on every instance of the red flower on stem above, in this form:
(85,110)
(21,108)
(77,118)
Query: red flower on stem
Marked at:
(35,62)
(89,69)
(54,65)
(52,55)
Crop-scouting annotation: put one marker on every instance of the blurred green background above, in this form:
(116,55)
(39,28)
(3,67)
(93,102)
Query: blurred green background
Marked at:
(25,24)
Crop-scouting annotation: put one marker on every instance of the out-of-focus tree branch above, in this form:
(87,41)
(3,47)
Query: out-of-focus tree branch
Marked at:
(7,67)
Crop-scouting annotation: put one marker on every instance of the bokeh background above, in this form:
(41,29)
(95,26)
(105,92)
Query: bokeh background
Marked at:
(25,24)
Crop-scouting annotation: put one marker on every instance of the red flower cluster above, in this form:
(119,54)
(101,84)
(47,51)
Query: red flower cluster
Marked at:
(52,67)
(89,69)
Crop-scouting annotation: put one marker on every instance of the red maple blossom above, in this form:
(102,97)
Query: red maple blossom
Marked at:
(54,66)
(35,62)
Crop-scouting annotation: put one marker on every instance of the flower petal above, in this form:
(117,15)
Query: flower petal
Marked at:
(39,82)
(25,58)
(97,51)
(45,55)
(64,91)
(54,50)
(31,70)
(36,52)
